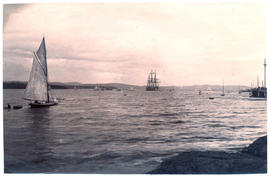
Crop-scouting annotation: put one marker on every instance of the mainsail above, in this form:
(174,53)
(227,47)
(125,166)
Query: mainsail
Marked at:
(37,87)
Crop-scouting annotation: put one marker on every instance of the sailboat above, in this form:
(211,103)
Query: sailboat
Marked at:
(38,90)
(223,94)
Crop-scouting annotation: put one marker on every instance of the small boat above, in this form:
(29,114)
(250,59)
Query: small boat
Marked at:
(9,106)
(38,90)
(98,88)
(17,106)
(131,89)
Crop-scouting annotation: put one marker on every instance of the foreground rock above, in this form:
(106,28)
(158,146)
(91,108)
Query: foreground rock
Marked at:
(251,159)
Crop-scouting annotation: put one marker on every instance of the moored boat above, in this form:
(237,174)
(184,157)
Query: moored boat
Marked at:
(152,82)
(223,93)
(260,92)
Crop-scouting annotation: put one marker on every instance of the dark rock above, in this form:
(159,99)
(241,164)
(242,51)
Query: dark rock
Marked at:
(251,159)
(257,148)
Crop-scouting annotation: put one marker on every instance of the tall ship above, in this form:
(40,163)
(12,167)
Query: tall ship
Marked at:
(260,92)
(38,90)
(152,82)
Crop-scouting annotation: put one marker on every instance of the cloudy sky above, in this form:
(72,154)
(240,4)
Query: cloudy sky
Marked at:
(186,44)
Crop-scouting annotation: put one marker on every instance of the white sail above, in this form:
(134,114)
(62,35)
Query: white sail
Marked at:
(37,87)
(42,55)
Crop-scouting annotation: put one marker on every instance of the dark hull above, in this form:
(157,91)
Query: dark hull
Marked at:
(40,105)
(151,88)
(260,92)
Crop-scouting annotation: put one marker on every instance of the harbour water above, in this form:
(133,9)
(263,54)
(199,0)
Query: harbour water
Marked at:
(120,132)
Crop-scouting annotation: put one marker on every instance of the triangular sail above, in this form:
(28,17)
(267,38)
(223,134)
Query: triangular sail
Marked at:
(42,55)
(37,87)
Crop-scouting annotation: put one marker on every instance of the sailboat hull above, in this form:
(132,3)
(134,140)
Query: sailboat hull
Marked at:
(40,105)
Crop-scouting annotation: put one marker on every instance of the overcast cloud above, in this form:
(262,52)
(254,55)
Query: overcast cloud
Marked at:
(98,43)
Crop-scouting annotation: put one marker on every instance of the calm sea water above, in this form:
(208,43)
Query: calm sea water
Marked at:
(125,131)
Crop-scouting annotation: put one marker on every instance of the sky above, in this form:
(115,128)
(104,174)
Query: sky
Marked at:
(186,44)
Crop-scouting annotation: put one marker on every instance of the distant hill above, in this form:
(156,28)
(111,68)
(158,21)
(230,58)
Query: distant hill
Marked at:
(69,85)
(14,85)
(111,86)
(119,85)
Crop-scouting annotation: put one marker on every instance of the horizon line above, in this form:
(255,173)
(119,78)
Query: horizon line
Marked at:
(135,84)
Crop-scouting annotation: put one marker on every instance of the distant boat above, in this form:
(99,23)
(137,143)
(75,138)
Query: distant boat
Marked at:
(172,89)
(260,92)
(131,89)
(223,94)
(98,88)
(152,82)
(244,90)
(37,90)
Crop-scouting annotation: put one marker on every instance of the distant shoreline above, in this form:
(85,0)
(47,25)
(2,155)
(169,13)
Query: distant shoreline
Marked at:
(111,86)
(58,85)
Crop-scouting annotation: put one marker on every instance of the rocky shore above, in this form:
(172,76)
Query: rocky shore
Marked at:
(251,159)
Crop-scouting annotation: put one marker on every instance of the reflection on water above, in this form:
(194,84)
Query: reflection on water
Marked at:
(125,131)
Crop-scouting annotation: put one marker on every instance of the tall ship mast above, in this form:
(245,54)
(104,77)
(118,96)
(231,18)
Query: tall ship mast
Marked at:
(152,82)
(223,93)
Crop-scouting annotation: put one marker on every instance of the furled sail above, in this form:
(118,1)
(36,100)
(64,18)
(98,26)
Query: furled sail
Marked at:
(152,82)
(37,87)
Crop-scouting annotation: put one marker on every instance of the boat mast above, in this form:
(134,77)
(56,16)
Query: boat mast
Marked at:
(155,80)
(223,86)
(148,80)
(258,83)
(45,57)
(264,72)
(151,78)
